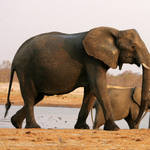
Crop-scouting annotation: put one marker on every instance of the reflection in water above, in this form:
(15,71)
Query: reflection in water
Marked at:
(57,117)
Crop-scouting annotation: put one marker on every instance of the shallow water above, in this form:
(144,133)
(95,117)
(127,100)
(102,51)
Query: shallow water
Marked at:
(57,117)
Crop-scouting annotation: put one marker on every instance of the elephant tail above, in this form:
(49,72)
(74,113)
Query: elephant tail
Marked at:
(8,104)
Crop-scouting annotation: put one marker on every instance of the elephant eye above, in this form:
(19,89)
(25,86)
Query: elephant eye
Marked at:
(133,46)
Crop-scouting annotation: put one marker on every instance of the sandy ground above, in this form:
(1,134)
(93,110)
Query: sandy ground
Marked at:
(26,139)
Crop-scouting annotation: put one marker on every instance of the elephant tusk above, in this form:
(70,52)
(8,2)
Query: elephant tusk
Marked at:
(145,66)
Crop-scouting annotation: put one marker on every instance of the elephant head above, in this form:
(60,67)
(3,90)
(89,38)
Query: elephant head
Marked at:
(115,47)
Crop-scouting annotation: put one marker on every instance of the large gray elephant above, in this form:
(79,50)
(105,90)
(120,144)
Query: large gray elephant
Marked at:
(125,104)
(57,63)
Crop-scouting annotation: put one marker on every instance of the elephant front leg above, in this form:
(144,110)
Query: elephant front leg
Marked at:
(101,93)
(98,85)
(108,112)
(87,104)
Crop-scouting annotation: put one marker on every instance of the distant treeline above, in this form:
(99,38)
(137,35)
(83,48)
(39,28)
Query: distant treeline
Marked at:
(126,79)
(5,72)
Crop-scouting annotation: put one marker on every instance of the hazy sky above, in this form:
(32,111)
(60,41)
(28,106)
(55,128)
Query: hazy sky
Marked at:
(22,19)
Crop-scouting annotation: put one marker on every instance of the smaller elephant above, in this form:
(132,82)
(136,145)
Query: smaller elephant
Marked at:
(125,104)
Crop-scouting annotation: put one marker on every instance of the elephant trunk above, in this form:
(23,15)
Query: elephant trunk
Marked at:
(145,91)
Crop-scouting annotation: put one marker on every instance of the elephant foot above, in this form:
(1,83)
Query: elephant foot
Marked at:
(94,127)
(111,126)
(81,126)
(34,125)
(16,122)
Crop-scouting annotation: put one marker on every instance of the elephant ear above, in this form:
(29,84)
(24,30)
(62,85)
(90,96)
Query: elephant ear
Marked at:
(100,43)
(137,95)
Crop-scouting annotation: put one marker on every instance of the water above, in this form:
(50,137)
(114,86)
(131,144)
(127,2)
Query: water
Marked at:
(58,117)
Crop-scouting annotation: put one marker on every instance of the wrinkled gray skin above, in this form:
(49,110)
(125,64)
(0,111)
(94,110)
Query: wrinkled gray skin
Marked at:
(125,104)
(56,63)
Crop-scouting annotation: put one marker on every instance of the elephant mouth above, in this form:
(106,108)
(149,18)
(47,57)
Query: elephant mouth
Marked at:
(136,61)
(138,64)
(132,61)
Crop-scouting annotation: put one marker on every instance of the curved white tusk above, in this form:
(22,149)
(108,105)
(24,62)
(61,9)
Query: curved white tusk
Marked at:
(145,66)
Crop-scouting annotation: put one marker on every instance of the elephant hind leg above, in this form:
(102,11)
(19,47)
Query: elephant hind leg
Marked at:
(87,104)
(20,115)
(130,122)
(18,118)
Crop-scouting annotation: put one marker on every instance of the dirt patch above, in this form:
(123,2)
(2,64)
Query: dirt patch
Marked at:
(71,139)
